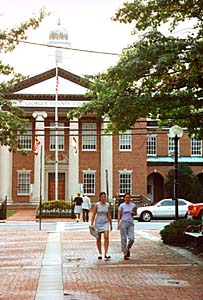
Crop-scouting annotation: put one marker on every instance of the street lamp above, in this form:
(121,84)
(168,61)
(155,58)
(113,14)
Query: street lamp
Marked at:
(176,133)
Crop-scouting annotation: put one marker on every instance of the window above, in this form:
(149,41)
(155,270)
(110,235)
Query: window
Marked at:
(181,202)
(89,182)
(25,140)
(125,141)
(196,147)
(167,203)
(171,147)
(89,136)
(125,182)
(151,144)
(23,183)
(60,137)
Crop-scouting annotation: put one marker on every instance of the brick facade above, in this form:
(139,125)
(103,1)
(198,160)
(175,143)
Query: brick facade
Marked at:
(147,172)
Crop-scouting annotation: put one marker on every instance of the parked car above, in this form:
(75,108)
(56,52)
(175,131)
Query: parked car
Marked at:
(195,210)
(164,209)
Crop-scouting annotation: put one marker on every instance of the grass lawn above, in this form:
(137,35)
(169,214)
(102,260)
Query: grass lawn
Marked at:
(10,213)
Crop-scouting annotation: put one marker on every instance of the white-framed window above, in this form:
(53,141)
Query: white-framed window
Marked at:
(89,136)
(125,182)
(151,144)
(89,181)
(23,183)
(125,141)
(52,145)
(171,146)
(196,147)
(25,140)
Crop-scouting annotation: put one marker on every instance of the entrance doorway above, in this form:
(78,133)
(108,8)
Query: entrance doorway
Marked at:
(61,186)
(155,187)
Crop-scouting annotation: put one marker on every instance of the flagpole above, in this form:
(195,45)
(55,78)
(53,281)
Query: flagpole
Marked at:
(40,192)
(56,136)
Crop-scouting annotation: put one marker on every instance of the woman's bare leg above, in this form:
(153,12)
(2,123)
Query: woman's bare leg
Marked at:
(106,241)
(99,244)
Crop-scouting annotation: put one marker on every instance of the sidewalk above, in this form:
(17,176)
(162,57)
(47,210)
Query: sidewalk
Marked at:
(51,265)
(30,215)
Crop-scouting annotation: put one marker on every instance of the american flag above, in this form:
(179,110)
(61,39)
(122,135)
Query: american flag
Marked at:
(36,145)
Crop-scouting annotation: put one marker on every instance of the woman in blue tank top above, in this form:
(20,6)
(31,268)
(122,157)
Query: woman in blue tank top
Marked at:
(101,220)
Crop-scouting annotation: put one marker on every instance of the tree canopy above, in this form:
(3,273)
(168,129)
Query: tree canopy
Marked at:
(12,118)
(160,76)
(189,187)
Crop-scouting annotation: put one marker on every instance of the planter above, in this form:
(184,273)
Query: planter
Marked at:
(55,209)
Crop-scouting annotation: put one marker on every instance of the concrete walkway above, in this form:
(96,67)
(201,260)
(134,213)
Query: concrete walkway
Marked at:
(50,285)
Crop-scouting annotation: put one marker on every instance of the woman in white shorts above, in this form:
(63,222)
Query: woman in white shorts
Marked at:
(78,206)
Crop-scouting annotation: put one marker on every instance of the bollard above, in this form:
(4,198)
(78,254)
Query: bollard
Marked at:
(3,209)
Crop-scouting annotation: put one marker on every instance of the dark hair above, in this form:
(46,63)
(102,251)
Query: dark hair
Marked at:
(127,194)
(102,193)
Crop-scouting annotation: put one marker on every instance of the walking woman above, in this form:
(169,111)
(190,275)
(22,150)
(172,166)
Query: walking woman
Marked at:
(126,211)
(101,220)
(78,206)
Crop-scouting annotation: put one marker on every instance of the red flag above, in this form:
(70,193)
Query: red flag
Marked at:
(36,145)
(74,144)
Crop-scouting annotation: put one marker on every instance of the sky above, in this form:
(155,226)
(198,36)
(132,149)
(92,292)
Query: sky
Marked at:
(89,26)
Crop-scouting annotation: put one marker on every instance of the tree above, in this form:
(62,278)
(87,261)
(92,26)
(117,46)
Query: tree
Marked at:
(189,187)
(160,76)
(12,118)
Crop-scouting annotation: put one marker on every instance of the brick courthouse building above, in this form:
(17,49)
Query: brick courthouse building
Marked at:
(137,161)
(87,159)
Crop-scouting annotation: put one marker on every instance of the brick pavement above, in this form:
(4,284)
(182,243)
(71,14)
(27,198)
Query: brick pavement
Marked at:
(21,255)
(29,215)
(154,270)
(23,215)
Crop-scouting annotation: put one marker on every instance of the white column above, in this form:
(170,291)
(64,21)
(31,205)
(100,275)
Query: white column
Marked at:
(39,131)
(106,160)
(73,177)
(6,173)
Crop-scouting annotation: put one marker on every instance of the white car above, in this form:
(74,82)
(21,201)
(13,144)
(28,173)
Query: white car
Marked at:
(164,209)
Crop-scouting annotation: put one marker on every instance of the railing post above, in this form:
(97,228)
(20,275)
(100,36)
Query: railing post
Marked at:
(5,207)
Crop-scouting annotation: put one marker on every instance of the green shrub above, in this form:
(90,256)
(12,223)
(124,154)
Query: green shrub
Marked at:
(173,234)
(55,208)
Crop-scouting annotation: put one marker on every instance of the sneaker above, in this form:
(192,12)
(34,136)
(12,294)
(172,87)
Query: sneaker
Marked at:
(99,256)
(107,257)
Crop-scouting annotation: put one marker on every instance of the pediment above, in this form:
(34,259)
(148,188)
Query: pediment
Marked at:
(45,83)
(48,87)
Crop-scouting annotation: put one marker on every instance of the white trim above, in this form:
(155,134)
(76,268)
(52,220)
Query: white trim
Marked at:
(126,134)
(18,187)
(191,148)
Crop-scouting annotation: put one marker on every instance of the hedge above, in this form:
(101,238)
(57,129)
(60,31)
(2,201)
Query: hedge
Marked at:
(56,209)
(173,234)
